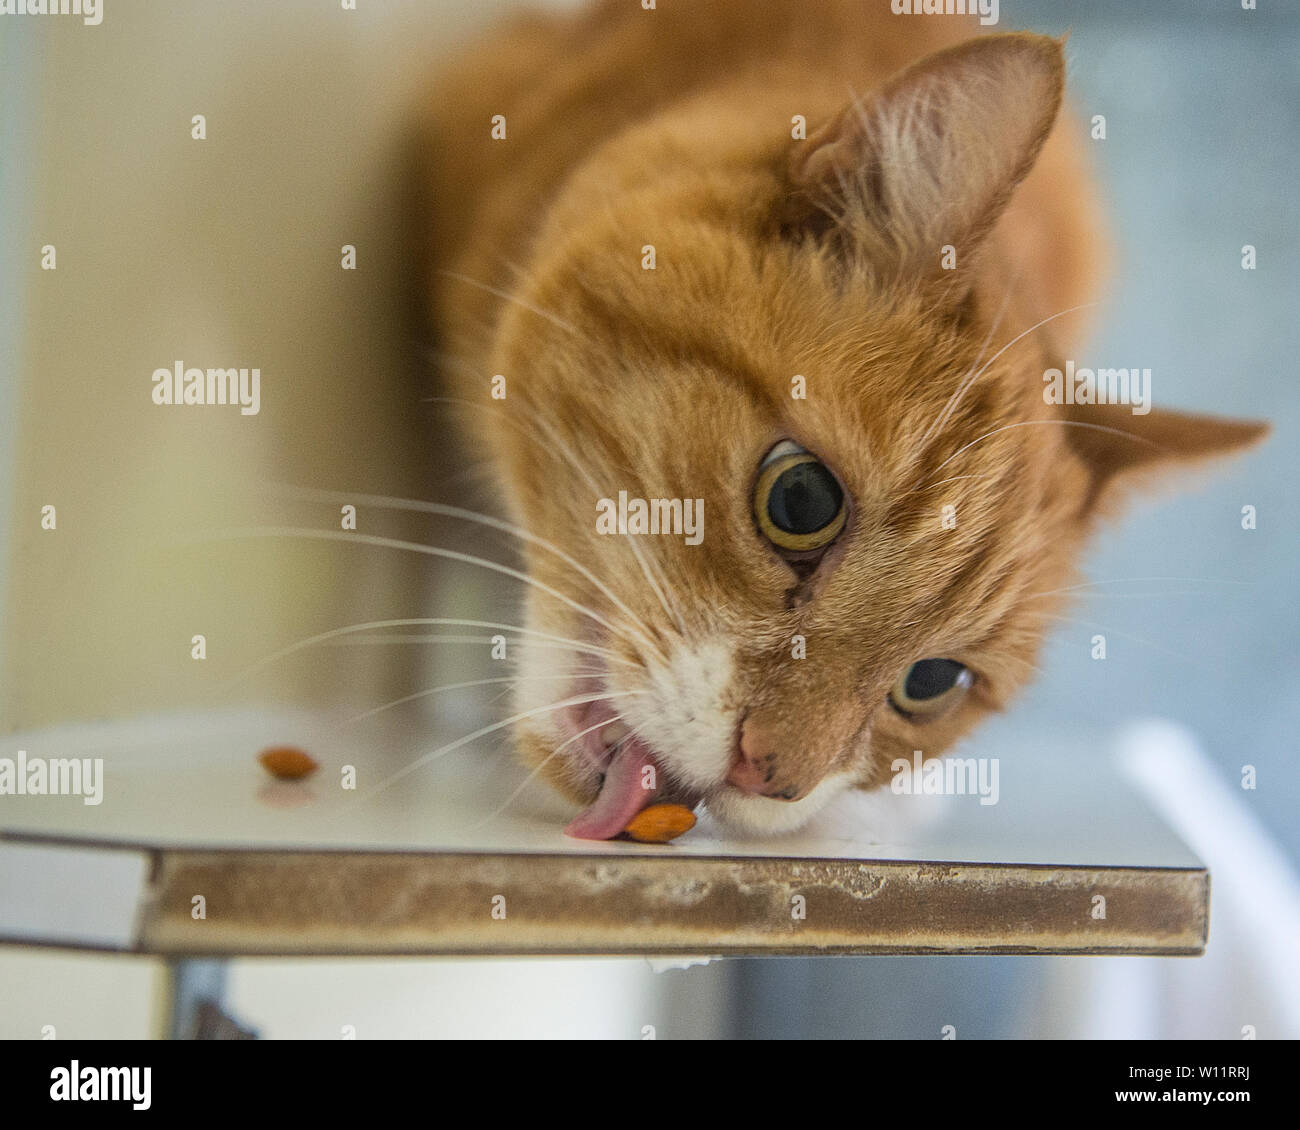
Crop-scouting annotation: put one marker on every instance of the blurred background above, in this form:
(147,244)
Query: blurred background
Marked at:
(227,252)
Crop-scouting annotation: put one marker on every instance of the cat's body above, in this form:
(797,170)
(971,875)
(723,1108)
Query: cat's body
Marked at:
(874,266)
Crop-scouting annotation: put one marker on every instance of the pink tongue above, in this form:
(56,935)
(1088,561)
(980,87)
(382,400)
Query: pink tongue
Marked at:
(622,796)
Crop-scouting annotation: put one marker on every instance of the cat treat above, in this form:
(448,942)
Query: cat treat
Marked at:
(660,823)
(287,763)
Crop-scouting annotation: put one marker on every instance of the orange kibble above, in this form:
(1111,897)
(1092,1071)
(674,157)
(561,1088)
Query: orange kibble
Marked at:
(660,823)
(286,762)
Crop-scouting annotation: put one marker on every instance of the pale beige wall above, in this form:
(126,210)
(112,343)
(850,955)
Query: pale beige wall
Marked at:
(217,252)
(61,995)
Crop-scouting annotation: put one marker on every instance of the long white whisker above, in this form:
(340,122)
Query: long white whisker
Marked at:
(1137,595)
(966,384)
(444,750)
(955,399)
(1125,636)
(573,460)
(582,672)
(419,621)
(417,547)
(512,679)
(641,632)
(394,638)
(1060,423)
(955,478)
(546,761)
(636,549)
(508,297)
(1141,580)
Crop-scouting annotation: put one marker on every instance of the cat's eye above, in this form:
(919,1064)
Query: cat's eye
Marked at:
(798,504)
(931,686)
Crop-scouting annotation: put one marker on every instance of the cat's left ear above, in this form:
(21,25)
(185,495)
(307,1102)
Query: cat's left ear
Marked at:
(929,162)
(1123,452)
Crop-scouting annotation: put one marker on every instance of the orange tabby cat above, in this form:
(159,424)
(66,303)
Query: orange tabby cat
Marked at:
(656,281)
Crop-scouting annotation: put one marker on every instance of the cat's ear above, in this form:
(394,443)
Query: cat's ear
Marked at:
(1123,451)
(911,180)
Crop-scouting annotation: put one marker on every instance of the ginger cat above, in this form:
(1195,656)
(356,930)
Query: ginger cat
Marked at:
(655,280)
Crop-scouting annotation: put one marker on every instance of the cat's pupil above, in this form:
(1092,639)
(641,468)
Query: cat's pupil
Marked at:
(804,499)
(931,677)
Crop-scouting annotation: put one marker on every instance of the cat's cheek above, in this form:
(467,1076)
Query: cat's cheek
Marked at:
(535,752)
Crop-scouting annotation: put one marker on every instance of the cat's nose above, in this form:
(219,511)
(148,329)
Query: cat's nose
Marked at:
(748,776)
(753,766)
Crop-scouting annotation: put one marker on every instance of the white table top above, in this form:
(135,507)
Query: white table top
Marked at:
(186,792)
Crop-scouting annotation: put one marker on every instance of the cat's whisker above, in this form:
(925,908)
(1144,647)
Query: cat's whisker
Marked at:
(520,273)
(954,479)
(1002,311)
(578,466)
(511,679)
(966,384)
(1181,655)
(425,759)
(506,296)
(546,761)
(1141,580)
(959,392)
(1141,595)
(429,550)
(1137,595)
(421,621)
(484,322)
(393,639)
(1036,326)
(1054,423)
(418,506)
(577,672)
(447,359)
(567,452)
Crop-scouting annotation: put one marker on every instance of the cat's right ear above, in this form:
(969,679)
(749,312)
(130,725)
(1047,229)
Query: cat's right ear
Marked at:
(921,171)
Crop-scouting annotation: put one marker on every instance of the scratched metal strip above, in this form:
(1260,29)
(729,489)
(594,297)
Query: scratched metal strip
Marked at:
(405,903)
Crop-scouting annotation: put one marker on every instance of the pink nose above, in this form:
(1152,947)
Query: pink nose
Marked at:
(747,777)
(753,767)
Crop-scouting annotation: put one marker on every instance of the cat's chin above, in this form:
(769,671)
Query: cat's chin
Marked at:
(742,814)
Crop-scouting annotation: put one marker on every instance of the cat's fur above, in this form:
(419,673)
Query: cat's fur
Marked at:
(775,257)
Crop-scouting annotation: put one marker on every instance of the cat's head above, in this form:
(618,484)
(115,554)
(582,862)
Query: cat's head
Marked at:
(889,504)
